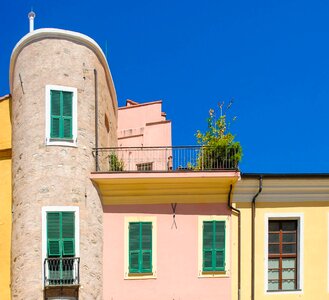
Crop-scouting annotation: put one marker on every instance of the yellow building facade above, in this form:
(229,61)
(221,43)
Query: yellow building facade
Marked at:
(298,200)
(5,196)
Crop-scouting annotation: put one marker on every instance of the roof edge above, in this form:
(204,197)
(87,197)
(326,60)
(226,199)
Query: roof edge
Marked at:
(285,175)
(83,39)
(140,104)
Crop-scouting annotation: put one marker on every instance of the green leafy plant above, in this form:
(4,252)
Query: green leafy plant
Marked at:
(115,164)
(219,149)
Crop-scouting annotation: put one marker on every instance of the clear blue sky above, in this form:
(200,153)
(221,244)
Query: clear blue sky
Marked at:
(271,56)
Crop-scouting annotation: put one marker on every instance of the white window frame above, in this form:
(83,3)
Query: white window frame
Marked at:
(49,141)
(299,217)
(128,220)
(44,212)
(227,271)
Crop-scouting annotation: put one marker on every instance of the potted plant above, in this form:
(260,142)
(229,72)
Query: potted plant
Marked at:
(218,149)
(115,164)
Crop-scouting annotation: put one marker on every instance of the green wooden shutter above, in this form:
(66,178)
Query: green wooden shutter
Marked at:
(68,234)
(213,246)
(219,246)
(61,114)
(134,247)
(67,115)
(53,234)
(55,114)
(140,247)
(207,246)
(146,247)
(60,234)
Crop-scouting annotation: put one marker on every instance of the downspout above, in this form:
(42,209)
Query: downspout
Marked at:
(237,211)
(253,230)
(96,121)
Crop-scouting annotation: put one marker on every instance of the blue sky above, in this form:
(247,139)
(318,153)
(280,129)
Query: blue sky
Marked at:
(271,57)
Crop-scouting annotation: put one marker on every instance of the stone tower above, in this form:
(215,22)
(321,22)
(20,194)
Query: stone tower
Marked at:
(63,106)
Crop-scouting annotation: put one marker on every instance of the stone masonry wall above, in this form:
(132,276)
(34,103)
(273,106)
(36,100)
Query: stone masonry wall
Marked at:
(56,175)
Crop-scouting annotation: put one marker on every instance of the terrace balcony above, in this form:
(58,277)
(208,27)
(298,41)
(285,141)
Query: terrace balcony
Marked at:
(130,175)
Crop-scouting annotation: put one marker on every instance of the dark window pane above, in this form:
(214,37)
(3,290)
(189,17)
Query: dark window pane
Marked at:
(274,226)
(274,238)
(273,249)
(289,237)
(289,225)
(288,248)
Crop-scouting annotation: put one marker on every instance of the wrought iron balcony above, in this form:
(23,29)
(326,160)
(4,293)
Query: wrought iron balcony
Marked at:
(166,159)
(60,271)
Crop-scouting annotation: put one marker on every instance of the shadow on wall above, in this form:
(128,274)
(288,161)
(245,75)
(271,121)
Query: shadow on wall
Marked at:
(166,209)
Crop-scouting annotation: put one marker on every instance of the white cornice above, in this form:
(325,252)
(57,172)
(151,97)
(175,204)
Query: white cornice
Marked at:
(283,190)
(80,38)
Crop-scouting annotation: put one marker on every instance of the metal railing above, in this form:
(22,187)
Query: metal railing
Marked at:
(166,159)
(59,271)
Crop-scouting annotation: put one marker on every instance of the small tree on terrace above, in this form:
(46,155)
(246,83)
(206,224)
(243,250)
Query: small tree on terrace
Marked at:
(219,150)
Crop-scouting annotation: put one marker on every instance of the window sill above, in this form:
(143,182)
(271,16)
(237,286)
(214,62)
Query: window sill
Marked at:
(283,292)
(214,274)
(61,142)
(139,276)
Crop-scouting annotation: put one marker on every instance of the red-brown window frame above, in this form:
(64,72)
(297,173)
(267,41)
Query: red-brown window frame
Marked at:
(282,255)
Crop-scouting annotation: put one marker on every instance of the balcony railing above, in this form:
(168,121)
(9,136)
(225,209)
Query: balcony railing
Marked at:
(165,159)
(60,271)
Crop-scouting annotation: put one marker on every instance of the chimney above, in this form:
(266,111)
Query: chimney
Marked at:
(31,16)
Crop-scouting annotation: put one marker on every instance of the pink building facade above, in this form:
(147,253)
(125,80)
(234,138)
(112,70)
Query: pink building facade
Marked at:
(177,275)
(154,220)
(143,125)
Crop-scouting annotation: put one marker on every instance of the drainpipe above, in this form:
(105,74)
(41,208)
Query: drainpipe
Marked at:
(253,229)
(237,211)
(96,120)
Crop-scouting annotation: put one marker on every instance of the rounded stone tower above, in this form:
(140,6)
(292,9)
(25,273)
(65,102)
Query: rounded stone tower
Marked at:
(63,105)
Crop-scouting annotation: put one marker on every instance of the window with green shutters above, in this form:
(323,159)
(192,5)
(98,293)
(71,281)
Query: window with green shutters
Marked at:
(213,246)
(61,121)
(60,234)
(140,247)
